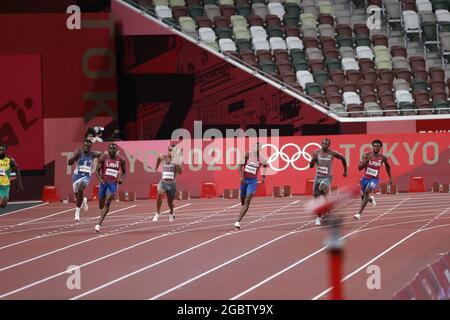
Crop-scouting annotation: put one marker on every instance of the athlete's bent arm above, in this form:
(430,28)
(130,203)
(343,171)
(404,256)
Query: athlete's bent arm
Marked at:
(313,160)
(263,174)
(388,169)
(16,169)
(99,168)
(363,163)
(264,170)
(241,173)
(74,157)
(123,170)
(179,168)
(344,161)
(158,162)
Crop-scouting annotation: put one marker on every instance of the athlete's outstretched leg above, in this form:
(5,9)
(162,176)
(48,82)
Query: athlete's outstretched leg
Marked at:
(244,209)
(102,193)
(321,189)
(370,198)
(101,203)
(107,203)
(159,200)
(79,198)
(3,202)
(78,189)
(171,193)
(366,197)
(243,192)
(79,201)
(102,199)
(171,206)
(364,201)
(316,188)
(4,196)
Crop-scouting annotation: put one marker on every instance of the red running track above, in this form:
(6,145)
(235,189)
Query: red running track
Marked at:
(278,254)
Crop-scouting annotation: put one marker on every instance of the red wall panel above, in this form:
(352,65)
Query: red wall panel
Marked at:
(21,123)
(411,154)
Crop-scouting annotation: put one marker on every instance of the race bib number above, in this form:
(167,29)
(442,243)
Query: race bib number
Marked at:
(372,172)
(2,172)
(250,169)
(85,169)
(168,175)
(111,172)
(322,170)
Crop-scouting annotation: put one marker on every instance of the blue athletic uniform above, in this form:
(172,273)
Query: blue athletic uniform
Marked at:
(370,179)
(251,168)
(82,174)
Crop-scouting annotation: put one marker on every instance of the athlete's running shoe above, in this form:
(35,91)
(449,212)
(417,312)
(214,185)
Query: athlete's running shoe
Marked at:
(374,204)
(85,204)
(155,217)
(317,223)
(357,216)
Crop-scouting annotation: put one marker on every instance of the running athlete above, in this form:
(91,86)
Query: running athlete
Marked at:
(170,169)
(82,174)
(249,179)
(107,172)
(7,165)
(371,163)
(323,159)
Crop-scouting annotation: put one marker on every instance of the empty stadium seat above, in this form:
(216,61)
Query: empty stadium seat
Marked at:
(322,43)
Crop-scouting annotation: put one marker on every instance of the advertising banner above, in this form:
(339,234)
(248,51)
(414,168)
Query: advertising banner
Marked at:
(216,160)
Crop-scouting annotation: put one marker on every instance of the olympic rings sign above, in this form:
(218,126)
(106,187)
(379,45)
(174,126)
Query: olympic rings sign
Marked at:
(279,153)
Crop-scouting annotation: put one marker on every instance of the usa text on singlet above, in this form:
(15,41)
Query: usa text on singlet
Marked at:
(251,167)
(111,168)
(374,165)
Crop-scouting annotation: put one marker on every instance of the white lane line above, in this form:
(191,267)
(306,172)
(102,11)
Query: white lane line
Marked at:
(239,295)
(25,202)
(48,232)
(101,258)
(107,284)
(18,210)
(30,221)
(66,247)
(248,230)
(296,230)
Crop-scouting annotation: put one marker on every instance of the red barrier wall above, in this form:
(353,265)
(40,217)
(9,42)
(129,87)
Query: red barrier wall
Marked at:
(414,154)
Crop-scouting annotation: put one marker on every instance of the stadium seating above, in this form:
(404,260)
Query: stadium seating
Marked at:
(324,49)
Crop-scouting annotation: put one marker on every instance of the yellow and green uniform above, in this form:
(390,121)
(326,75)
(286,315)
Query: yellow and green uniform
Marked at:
(5,174)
